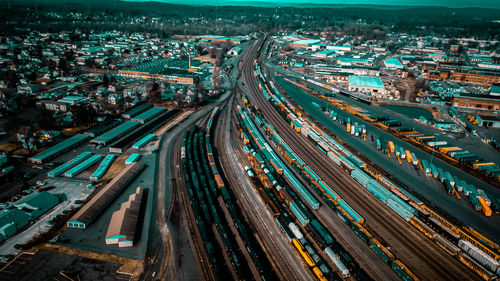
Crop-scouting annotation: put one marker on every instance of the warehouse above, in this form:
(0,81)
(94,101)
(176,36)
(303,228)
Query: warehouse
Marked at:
(11,221)
(103,127)
(83,166)
(115,133)
(145,140)
(37,204)
(393,63)
(136,110)
(366,84)
(488,121)
(14,219)
(100,201)
(58,149)
(148,114)
(123,224)
(481,102)
(124,142)
(306,43)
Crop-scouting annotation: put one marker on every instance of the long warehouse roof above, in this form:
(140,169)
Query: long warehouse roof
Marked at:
(59,147)
(148,114)
(90,211)
(124,221)
(115,132)
(138,109)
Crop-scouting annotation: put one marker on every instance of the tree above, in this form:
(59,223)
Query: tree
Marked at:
(45,118)
(154,94)
(63,65)
(105,80)
(83,115)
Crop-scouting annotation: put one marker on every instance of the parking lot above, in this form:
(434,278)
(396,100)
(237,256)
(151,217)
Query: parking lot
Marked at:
(45,265)
(68,191)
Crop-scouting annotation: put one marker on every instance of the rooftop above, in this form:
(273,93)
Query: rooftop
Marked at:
(307,42)
(116,132)
(95,206)
(58,148)
(138,109)
(393,62)
(124,221)
(148,114)
(366,81)
(39,200)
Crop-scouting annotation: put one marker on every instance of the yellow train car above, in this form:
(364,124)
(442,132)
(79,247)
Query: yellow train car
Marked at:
(305,256)
(319,274)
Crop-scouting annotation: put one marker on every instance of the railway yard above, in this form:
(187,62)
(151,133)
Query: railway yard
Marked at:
(264,182)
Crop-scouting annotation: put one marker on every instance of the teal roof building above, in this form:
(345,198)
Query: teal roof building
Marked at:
(11,221)
(37,204)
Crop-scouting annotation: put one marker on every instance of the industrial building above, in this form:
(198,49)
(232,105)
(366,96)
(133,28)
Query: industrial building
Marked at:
(495,90)
(234,51)
(148,114)
(221,39)
(100,201)
(183,79)
(11,221)
(14,219)
(37,204)
(348,61)
(393,63)
(123,224)
(366,84)
(477,102)
(136,110)
(306,43)
(488,121)
(58,149)
(115,133)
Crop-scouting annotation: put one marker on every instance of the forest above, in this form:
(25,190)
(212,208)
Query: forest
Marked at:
(168,19)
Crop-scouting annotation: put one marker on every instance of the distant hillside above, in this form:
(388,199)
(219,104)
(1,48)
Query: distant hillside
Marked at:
(441,21)
(336,4)
(379,4)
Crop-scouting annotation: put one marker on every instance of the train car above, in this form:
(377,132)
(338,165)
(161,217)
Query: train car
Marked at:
(305,256)
(351,211)
(319,274)
(337,262)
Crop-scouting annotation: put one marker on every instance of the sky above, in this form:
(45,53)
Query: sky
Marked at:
(447,3)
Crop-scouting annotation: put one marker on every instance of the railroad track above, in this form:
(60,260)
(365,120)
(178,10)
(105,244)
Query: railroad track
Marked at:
(183,199)
(226,153)
(223,116)
(372,264)
(423,256)
(414,249)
